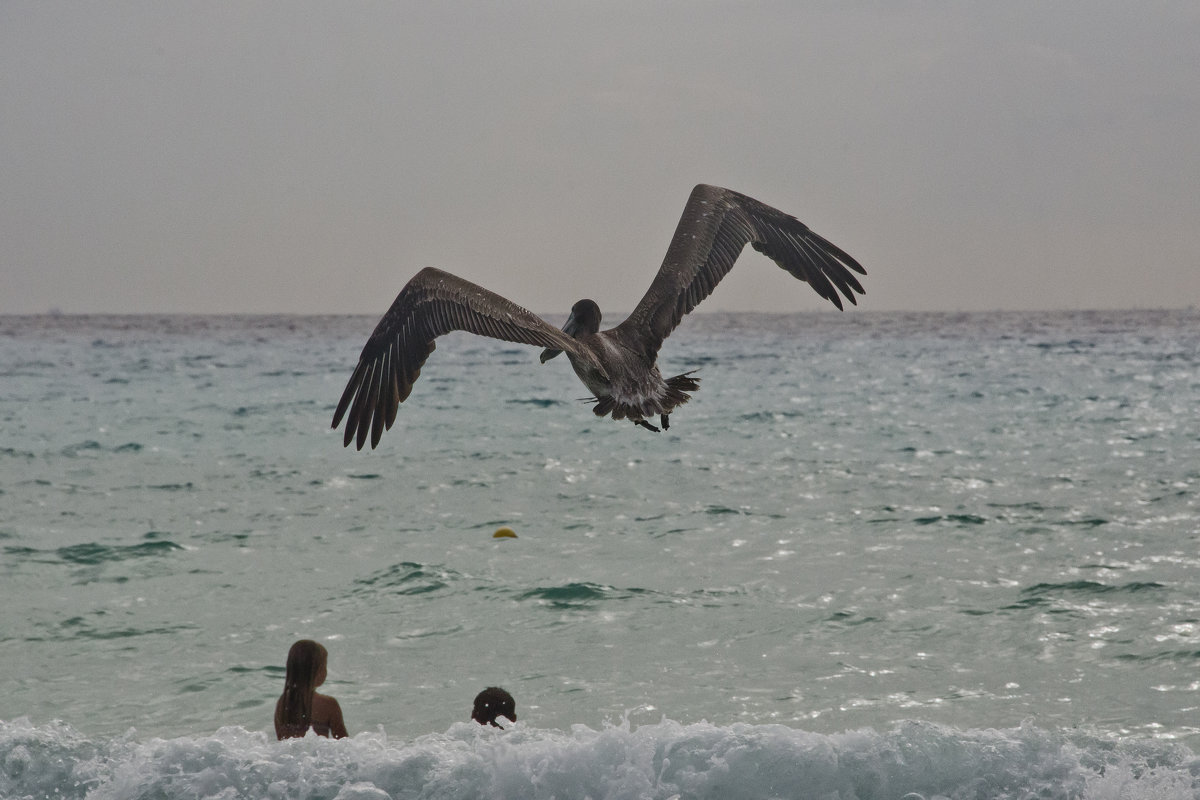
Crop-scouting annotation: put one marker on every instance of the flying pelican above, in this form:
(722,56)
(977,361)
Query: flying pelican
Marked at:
(619,365)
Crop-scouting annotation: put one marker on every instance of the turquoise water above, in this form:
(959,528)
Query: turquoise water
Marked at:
(871,542)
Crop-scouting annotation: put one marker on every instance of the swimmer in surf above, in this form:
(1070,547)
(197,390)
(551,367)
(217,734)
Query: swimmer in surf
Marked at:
(494,702)
(300,707)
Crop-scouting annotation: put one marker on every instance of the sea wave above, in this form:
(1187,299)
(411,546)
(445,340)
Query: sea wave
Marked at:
(913,760)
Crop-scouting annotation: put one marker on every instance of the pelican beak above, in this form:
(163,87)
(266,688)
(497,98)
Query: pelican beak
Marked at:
(571,328)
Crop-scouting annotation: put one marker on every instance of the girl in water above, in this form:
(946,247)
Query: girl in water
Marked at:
(300,707)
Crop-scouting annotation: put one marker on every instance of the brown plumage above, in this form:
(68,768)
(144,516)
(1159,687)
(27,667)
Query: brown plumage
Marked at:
(618,365)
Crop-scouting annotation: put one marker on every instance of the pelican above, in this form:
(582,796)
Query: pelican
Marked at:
(618,366)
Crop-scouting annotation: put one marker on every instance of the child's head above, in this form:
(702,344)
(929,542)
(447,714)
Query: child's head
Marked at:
(494,702)
(306,664)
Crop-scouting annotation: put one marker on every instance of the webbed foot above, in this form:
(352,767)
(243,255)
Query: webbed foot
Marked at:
(647,425)
(665,421)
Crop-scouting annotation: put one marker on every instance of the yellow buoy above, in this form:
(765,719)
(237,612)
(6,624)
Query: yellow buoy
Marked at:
(504,533)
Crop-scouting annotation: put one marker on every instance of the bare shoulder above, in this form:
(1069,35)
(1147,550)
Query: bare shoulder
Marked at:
(323,702)
(326,710)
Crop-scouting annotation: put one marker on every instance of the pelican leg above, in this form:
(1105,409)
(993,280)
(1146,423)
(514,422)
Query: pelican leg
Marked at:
(647,425)
(664,420)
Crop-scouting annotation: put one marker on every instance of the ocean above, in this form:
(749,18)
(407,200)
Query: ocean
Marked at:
(878,555)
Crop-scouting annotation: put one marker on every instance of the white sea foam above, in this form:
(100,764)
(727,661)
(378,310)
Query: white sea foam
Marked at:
(661,760)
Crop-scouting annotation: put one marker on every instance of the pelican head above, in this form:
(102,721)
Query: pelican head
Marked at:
(584,319)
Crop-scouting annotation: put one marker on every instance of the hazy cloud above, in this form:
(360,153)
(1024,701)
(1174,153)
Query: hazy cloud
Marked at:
(310,157)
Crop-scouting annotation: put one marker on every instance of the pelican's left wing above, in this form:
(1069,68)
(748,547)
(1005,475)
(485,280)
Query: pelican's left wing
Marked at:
(433,303)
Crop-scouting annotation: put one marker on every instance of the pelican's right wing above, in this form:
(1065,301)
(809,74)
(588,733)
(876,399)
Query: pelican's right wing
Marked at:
(433,303)
(716,224)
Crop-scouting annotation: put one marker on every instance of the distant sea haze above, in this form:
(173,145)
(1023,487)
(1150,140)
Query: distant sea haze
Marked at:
(877,555)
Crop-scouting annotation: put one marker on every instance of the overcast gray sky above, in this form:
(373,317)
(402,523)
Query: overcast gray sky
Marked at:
(312,156)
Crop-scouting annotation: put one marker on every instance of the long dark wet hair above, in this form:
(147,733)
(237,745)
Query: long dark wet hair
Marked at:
(293,713)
